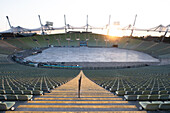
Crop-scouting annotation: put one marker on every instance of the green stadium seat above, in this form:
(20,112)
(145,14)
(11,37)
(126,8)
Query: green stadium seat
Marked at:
(22,88)
(149,106)
(148,88)
(37,88)
(141,89)
(2,91)
(154,92)
(9,91)
(164,97)
(113,89)
(18,92)
(153,97)
(163,92)
(166,101)
(30,88)
(120,89)
(37,92)
(143,97)
(120,93)
(134,89)
(24,97)
(15,88)
(127,89)
(45,89)
(167,89)
(27,92)
(155,89)
(164,106)
(11,97)
(6,106)
(52,87)
(7,88)
(2,97)
(130,97)
(159,102)
(162,88)
(146,92)
(138,92)
(129,92)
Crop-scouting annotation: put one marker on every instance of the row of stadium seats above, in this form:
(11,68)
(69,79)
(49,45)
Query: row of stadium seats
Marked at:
(3,59)
(113,89)
(58,40)
(128,84)
(136,77)
(155,105)
(162,97)
(15,97)
(145,92)
(22,92)
(41,83)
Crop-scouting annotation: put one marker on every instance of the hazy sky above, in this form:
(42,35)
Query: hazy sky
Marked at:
(25,12)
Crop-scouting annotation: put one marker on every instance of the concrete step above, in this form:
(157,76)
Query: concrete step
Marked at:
(76,112)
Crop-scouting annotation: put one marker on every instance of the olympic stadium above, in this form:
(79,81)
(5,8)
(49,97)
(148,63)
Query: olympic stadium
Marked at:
(74,69)
(42,74)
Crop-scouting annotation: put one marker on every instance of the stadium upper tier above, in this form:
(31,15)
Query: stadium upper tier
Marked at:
(155,49)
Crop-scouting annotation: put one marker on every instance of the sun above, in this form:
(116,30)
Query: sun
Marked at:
(115,31)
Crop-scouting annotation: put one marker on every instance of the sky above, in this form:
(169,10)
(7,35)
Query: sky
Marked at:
(150,13)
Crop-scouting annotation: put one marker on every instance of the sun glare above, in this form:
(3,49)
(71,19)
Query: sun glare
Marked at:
(115,31)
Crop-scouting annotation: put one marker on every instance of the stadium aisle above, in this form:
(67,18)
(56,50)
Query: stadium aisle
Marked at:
(93,98)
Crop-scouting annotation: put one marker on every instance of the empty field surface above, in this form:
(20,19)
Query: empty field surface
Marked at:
(85,54)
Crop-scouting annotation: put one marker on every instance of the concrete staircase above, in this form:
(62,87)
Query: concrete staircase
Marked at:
(64,99)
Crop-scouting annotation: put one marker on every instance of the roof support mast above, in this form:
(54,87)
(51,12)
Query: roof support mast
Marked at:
(41,25)
(9,22)
(165,33)
(10,26)
(108,25)
(133,26)
(65,23)
(87,25)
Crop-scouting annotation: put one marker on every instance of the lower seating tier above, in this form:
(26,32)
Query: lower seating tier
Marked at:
(155,105)
(15,97)
(22,92)
(145,92)
(162,97)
